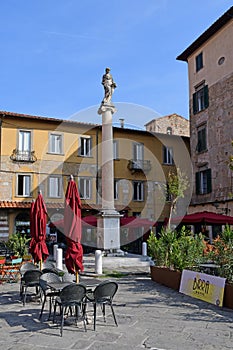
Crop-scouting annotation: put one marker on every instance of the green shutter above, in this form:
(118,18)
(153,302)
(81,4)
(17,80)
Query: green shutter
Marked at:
(198,183)
(195,103)
(209,181)
(206,96)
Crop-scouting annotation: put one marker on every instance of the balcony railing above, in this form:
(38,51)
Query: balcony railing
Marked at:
(139,165)
(23,156)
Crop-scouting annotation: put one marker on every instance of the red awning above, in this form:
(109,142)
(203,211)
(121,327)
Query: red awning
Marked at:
(204,217)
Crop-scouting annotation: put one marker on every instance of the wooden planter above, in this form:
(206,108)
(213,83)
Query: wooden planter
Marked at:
(165,276)
(171,279)
(228,296)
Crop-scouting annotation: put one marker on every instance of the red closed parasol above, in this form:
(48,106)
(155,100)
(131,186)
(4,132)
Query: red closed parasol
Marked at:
(38,219)
(73,229)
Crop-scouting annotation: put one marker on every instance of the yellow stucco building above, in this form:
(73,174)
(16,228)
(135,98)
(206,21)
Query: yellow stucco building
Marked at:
(40,153)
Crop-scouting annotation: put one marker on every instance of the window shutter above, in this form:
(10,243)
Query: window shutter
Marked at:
(198,183)
(206,96)
(204,139)
(195,107)
(90,151)
(79,146)
(209,182)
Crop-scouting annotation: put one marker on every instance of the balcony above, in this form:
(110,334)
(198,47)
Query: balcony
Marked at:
(139,165)
(23,156)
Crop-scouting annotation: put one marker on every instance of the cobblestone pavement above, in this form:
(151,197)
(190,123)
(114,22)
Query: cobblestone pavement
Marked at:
(150,316)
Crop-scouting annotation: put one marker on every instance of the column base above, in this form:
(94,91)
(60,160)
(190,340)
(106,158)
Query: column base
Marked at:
(108,231)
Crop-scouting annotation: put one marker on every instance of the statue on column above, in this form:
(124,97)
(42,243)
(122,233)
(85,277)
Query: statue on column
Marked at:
(109,86)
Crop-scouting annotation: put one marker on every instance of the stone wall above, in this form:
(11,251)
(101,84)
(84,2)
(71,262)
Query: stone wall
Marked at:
(218,118)
(177,124)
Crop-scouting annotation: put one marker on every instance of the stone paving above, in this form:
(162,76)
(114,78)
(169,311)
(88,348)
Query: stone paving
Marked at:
(150,316)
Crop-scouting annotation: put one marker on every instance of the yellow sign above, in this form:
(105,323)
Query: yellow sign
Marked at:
(202,286)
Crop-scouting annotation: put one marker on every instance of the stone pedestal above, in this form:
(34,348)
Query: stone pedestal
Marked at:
(108,223)
(108,232)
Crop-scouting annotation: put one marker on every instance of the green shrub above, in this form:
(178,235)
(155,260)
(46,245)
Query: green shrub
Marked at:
(18,244)
(176,250)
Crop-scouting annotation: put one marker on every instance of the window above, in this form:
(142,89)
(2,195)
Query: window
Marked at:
(55,143)
(116,189)
(55,186)
(85,147)
(138,191)
(24,141)
(201,139)
(115,150)
(203,182)
(168,155)
(201,99)
(199,62)
(138,151)
(85,188)
(169,130)
(23,153)
(24,185)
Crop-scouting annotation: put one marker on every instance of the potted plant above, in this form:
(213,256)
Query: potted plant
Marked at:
(18,244)
(172,252)
(221,253)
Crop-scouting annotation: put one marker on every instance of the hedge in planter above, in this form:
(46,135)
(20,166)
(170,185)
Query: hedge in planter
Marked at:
(176,250)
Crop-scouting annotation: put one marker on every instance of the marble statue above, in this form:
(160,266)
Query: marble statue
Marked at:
(109,86)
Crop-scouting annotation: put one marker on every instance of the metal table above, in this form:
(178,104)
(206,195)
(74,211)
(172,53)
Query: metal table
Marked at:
(89,283)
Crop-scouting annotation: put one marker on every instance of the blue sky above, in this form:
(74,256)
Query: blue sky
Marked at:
(54,53)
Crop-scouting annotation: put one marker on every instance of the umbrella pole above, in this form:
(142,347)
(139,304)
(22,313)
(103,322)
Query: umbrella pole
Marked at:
(40,263)
(76,275)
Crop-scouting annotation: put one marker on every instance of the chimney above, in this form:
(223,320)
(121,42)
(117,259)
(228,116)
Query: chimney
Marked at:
(122,121)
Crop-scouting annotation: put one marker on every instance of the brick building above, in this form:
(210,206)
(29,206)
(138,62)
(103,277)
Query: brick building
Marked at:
(172,124)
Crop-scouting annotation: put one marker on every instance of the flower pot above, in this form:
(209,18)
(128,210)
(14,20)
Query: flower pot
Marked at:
(165,276)
(228,296)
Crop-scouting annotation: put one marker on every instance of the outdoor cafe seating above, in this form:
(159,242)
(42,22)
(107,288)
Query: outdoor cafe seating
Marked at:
(47,291)
(10,269)
(25,267)
(30,280)
(72,295)
(103,295)
(73,299)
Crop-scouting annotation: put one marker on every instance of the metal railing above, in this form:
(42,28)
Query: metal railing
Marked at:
(139,165)
(23,156)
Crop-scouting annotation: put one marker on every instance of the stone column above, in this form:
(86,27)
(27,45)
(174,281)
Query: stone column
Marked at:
(108,222)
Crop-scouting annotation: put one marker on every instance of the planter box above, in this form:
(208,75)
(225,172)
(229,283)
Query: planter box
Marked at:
(228,296)
(171,279)
(165,276)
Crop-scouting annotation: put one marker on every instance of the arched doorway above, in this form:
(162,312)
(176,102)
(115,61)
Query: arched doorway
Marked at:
(22,223)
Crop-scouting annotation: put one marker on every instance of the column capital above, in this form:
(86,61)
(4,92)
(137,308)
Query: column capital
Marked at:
(104,107)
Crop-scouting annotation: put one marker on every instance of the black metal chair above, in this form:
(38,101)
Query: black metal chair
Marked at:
(47,292)
(26,267)
(72,295)
(30,280)
(103,295)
